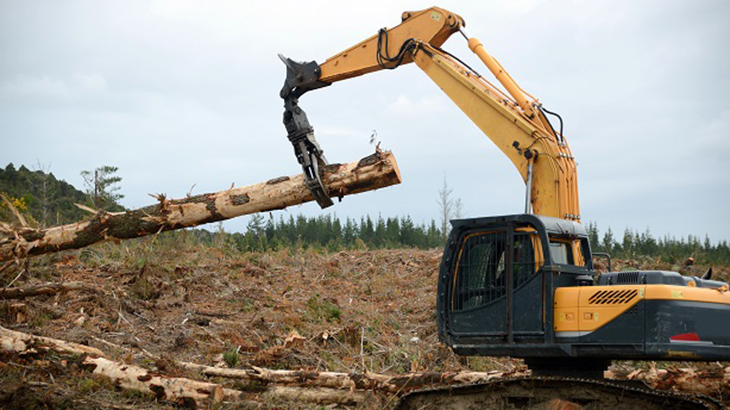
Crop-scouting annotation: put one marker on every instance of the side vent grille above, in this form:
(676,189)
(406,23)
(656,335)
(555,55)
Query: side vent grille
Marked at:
(627,277)
(612,297)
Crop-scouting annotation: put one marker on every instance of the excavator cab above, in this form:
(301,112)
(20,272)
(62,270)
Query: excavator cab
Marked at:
(524,286)
(496,284)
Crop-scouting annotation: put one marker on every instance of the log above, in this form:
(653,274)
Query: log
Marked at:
(18,342)
(350,381)
(323,396)
(375,171)
(173,389)
(45,289)
(711,381)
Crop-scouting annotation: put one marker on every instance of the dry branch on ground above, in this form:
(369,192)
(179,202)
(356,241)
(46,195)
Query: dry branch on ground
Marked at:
(45,289)
(709,381)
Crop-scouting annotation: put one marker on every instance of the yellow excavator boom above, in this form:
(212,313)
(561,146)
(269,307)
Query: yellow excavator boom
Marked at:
(514,121)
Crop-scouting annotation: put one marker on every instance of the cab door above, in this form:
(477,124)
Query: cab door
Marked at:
(496,289)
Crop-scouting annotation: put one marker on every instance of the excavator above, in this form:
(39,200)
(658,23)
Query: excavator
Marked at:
(524,285)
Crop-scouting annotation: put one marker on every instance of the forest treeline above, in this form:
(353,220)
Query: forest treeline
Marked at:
(329,233)
(633,244)
(45,200)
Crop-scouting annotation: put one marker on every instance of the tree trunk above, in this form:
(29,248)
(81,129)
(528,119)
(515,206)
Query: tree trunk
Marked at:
(317,395)
(710,380)
(375,171)
(172,389)
(337,380)
(18,342)
(322,387)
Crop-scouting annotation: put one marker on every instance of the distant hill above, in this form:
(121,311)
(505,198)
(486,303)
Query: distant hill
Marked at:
(48,200)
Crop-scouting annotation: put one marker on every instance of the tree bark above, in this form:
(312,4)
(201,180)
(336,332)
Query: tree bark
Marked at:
(12,341)
(337,380)
(45,289)
(173,389)
(375,171)
(709,381)
(319,395)
(321,387)
(18,342)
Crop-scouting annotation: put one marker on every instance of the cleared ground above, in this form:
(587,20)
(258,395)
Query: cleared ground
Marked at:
(355,311)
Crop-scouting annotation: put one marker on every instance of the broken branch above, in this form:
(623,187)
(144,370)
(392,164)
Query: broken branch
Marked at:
(45,289)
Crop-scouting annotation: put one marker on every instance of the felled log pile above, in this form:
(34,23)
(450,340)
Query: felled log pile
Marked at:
(306,386)
(310,386)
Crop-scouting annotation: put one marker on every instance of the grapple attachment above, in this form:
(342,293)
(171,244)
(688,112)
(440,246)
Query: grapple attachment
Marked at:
(300,78)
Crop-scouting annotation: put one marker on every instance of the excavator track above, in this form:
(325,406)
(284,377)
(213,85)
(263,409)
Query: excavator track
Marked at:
(554,393)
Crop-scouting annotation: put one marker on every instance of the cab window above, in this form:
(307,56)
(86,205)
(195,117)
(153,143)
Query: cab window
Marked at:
(569,251)
(561,252)
(481,268)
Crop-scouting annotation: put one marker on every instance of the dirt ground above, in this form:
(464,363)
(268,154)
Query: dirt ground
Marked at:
(352,311)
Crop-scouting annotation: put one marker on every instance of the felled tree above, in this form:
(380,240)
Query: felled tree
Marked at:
(375,171)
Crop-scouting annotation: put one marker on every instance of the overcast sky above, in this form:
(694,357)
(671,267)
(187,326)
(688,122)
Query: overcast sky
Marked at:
(182,93)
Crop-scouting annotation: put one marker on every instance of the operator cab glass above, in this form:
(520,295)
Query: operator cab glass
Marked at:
(481,267)
(568,250)
(561,253)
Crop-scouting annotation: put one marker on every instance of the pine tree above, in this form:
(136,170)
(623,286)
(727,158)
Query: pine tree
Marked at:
(380,235)
(256,225)
(628,244)
(102,186)
(592,230)
(349,233)
(446,207)
(608,241)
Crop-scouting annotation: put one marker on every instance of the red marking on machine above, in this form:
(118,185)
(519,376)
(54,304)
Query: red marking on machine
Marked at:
(685,337)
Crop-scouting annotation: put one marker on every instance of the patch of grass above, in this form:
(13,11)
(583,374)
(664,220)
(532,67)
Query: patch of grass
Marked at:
(132,394)
(41,319)
(231,357)
(323,309)
(87,385)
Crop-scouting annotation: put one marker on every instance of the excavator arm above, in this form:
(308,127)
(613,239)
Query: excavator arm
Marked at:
(514,121)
